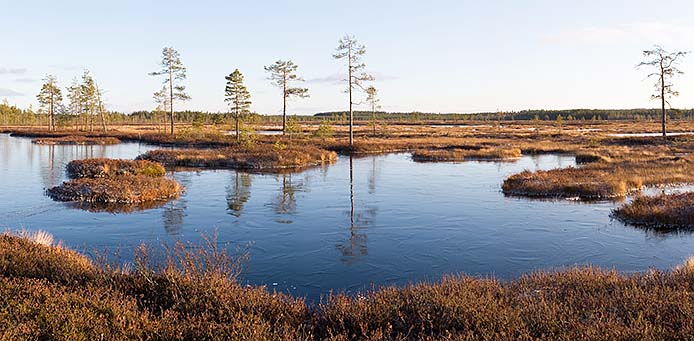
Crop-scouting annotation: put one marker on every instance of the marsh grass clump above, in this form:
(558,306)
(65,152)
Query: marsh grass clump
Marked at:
(104,168)
(261,157)
(600,180)
(188,291)
(124,189)
(77,140)
(665,211)
(466,154)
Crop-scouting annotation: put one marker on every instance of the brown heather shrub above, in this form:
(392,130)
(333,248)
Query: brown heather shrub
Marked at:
(78,140)
(600,180)
(124,189)
(103,168)
(48,292)
(261,157)
(459,154)
(665,211)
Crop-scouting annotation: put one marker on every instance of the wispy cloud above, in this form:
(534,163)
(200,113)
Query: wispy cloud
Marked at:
(333,79)
(9,93)
(660,32)
(338,78)
(12,71)
(25,80)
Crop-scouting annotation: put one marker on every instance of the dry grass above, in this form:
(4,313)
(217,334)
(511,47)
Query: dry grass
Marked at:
(461,154)
(77,140)
(125,189)
(54,293)
(104,168)
(665,211)
(262,157)
(601,180)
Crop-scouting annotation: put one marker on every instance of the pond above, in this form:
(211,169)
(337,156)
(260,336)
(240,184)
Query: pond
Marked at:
(396,222)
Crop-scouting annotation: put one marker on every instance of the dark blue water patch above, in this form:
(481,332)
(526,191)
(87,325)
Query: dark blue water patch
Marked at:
(396,222)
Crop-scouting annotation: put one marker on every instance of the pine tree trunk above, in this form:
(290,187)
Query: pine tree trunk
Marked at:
(171,110)
(662,97)
(284,105)
(351,129)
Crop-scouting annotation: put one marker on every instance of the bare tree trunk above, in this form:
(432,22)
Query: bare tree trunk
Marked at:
(662,97)
(349,76)
(284,105)
(171,111)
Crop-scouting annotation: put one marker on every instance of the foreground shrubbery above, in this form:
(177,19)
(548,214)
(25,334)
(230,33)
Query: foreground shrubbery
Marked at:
(600,180)
(460,154)
(103,168)
(260,157)
(50,292)
(79,140)
(665,211)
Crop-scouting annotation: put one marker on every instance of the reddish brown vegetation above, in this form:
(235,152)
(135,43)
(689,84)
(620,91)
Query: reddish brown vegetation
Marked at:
(666,211)
(52,292)
(80,140)
(125,189)
(262,157)
(103,168)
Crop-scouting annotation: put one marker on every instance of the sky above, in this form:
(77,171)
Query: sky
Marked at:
(430,56)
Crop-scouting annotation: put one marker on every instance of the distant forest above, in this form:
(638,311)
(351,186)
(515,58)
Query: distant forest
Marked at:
(12,115)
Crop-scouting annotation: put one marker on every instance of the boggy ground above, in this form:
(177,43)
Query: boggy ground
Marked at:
(51,292)
(662,212)
(611,166)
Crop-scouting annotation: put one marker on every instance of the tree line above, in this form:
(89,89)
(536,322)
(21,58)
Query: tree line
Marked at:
(85,104)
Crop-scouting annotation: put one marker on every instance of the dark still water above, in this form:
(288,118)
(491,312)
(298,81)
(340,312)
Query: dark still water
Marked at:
(411,221)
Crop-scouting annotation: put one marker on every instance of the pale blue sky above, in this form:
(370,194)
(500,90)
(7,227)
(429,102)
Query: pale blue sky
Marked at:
(433,56)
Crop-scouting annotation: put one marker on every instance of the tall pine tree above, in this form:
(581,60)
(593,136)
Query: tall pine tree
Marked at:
(282,74)
(50,98)
(238,97)
(174,73)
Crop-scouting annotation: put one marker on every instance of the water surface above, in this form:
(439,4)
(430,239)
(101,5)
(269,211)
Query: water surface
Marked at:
(396,222)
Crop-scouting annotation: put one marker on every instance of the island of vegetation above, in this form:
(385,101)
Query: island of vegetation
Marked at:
(109,181)
(661,212)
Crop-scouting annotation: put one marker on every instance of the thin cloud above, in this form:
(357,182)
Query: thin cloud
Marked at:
(12,71)
(25,80)
(334,78)
(9,93)
(667,33)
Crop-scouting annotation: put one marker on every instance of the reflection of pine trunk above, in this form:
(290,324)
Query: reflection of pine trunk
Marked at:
(351,194)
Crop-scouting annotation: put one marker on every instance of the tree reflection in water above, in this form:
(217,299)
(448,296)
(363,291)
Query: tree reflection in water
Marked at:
(356,246)
(238,192)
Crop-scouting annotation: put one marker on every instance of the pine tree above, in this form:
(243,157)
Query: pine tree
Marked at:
(350,49)
(174,72)
(282,74)
(238,97)
(372,99)
(50,98)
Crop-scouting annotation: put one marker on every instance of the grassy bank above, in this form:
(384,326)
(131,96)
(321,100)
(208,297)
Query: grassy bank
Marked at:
(77,140)
(52,292)
(601,180)
(466,154)
(261,157)
(665,211)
